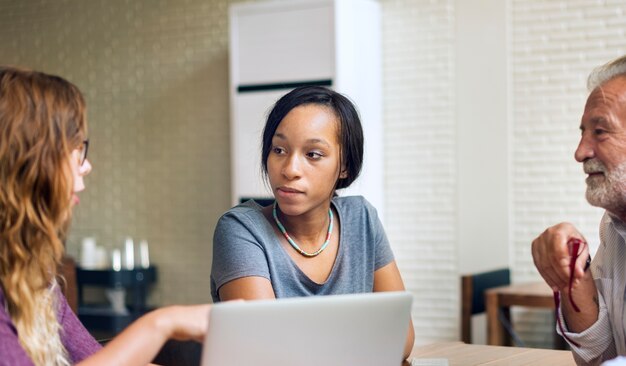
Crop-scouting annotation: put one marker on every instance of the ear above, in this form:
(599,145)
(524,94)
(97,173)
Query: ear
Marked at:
(343,174)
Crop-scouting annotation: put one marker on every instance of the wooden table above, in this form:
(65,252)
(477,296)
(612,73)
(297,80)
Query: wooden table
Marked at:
(458,353)
(533,294)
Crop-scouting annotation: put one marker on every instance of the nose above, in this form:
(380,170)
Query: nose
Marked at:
(85,168)
(291,167)
(585,149)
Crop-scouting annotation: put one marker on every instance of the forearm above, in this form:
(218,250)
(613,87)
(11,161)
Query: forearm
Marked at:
(136,345)
(585,296)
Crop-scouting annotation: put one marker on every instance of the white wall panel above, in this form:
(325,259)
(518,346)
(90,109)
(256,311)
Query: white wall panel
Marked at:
(283,43)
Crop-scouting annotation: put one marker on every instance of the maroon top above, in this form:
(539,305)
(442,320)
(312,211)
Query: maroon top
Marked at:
(76,339)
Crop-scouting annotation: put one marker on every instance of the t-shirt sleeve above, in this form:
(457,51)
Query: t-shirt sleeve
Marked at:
(237,251)
(78,342)
(382,249)
(11,352)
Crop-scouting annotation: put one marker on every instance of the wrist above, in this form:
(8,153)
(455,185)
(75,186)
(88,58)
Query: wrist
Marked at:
(586,298)
(162,323)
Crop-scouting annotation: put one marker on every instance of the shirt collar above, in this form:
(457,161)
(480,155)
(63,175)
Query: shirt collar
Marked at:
(618,224)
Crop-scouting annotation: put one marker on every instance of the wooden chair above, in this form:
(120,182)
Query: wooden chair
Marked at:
(67,281)
(473,288)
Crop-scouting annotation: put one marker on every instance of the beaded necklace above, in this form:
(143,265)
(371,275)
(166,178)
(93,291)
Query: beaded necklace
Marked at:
(293,243)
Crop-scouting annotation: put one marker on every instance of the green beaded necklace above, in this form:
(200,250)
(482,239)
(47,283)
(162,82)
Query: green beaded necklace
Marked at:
(293,243)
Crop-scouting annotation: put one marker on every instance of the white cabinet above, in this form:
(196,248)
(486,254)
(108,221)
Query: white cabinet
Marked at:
(276,46)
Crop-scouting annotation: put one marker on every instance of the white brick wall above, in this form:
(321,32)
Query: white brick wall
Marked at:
(418,63)
(554,46)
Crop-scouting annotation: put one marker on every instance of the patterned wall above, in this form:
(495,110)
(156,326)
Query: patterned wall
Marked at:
(155,77)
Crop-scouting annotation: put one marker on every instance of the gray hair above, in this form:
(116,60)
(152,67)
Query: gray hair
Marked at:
(606,72)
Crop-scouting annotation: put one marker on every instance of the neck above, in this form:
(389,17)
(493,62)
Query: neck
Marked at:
(309,227)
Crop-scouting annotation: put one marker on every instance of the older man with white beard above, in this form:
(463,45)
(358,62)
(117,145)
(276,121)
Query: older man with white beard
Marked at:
(592,316)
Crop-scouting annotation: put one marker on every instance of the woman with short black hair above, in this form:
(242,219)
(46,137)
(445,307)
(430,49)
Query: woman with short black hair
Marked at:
(310,241)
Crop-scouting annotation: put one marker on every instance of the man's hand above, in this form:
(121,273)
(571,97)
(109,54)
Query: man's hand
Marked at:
(552,256)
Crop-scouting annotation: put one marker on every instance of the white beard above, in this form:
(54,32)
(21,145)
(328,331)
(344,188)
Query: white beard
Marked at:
(607,190)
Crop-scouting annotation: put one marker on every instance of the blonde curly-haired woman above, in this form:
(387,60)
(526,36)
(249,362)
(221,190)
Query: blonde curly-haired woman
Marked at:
(43,160)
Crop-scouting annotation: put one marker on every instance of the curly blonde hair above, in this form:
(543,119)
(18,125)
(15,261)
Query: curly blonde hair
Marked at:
(42,120)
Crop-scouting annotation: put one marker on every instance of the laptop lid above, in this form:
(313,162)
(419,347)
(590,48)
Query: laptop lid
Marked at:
(337,330)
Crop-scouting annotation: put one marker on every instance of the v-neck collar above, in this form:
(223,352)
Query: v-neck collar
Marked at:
(277,241)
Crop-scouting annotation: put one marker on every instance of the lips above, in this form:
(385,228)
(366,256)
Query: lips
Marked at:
(288,193)
(592,175)
(594,167)
(288,190)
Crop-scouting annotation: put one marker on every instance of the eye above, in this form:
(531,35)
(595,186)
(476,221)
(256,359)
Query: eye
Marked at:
(599,131)
(314,155)
(277,150)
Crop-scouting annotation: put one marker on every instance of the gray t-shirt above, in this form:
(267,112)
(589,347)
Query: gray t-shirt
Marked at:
(245,244)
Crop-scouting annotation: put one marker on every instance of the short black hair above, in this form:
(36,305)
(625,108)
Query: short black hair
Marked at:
(350,129)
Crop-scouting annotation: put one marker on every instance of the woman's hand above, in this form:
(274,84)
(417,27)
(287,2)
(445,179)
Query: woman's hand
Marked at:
(141,341)
(184,322)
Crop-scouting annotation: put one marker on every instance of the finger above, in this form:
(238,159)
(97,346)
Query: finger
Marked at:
(563,269)
(581,262)
(555,281)
(558,261)
(543,270)
(545,262)
(547,271)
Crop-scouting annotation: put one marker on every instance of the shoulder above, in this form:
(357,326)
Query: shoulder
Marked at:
(357,214)
(356,205)
(11,351)
(246,213)
(244,209)
(242,225)
(606,260)
(350,201)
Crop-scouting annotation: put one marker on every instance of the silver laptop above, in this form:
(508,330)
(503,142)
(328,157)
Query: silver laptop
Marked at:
(339,330)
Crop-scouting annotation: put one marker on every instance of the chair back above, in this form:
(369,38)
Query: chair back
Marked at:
(473,287)
(67,281)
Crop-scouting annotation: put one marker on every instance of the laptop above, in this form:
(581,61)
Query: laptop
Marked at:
(336,330)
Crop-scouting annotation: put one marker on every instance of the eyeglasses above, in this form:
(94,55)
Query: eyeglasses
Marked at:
(574,245)
(83,152)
